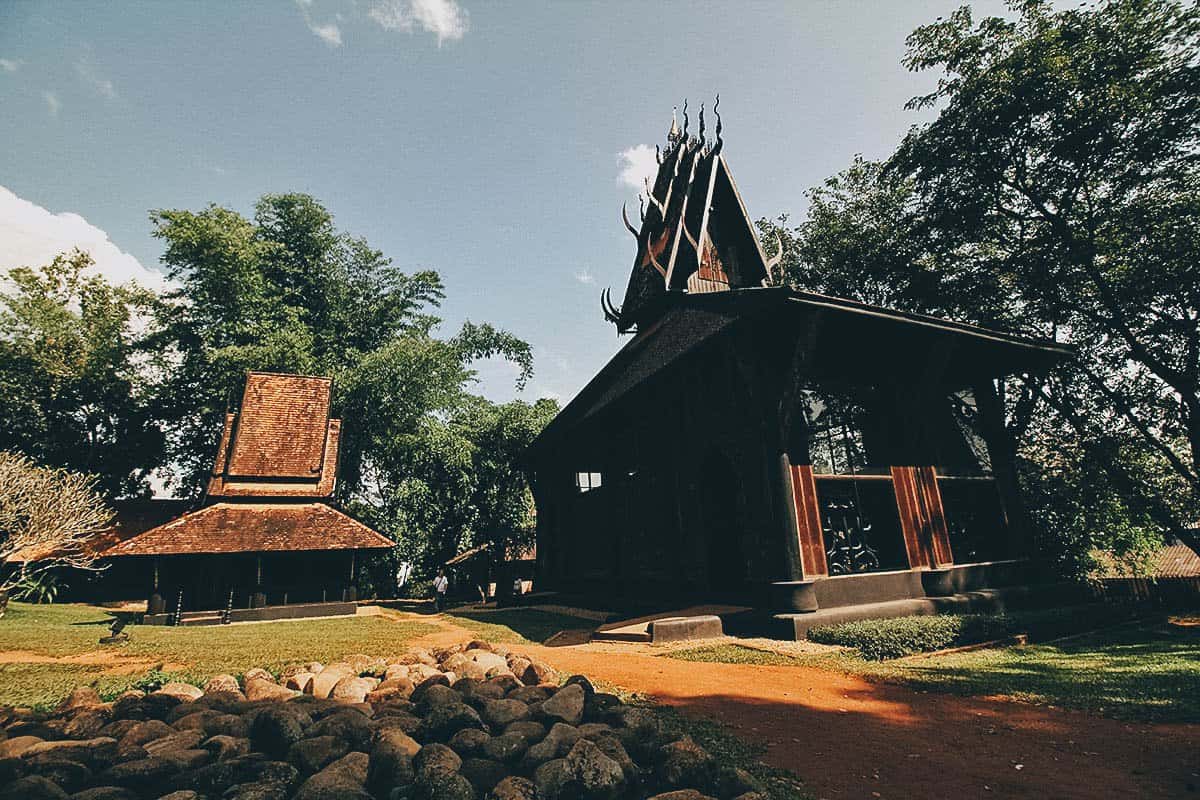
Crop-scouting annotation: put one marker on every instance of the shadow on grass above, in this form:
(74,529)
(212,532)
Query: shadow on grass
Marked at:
(520,625)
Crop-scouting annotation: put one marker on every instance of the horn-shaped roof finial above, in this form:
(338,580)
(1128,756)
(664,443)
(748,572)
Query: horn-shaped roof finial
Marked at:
(673,134)
(716,106)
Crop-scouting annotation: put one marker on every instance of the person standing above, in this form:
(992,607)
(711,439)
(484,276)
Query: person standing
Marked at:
(441,584)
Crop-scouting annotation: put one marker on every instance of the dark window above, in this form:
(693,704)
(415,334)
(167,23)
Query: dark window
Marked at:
(843,431)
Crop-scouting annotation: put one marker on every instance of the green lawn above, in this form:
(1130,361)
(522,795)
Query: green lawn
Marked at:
(517,625)
(1145,672)
(199,652)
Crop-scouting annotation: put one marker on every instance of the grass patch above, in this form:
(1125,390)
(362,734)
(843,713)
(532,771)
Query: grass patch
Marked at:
(195,653)
(1140,672)
(517,625)
(1147,671)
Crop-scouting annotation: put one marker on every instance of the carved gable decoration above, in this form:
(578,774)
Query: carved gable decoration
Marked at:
(696,235)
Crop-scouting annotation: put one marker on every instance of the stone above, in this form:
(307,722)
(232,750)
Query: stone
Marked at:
(225,747)
(639,730)
(111,793)
(213,780)
(436,758)
(17,745)
(507,747)
(409,723)
(184,691)
(468,742)
(593,730)
(395,671)
(261,689)
(599,777)
(300,682)
(82,697)
(146,731)
(422,688)
(565,705)
(184,740)
(32,787)
(537,673)
(558,743)
(518,665)
(276,729)
(483,773)
(118,728)
(352,689)
(529,695)
(70,775)
(531,730)
(257,673)
(391,760)
(505,682)
(87,723)
(140,775)
(188,759)
(182,794)
(584,683)
(327,678)
(222,683)
(313,754)
(215,724)
(514,787)
(599,705)
(97,752)
(499,714)
(682,794)
(344,779)
(443,786)
(348,725)
(611,746)
(553,780)
(683,764)
(443,721)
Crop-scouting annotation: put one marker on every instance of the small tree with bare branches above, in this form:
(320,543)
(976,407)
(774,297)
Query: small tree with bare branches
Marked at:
(48,519)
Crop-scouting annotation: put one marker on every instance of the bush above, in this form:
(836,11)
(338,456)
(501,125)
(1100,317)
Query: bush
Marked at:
(416,590)
(881,639)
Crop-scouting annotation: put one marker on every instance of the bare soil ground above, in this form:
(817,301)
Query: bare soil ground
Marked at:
(848,737)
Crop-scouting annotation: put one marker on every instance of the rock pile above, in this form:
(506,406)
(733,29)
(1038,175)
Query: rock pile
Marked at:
(472,722)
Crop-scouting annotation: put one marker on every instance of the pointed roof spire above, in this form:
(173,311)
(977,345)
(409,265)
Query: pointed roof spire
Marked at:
(673,135)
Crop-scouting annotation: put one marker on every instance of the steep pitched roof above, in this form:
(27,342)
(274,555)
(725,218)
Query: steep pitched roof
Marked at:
(281,443)
(696,235)
(254,527)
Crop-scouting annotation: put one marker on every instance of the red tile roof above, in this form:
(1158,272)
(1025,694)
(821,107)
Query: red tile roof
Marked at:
(254,527)
(132,518)
(1176,561)
(282,427)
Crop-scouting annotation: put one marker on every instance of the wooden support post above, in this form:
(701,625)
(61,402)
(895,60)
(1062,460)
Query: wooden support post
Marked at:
(922,517)
(808,532)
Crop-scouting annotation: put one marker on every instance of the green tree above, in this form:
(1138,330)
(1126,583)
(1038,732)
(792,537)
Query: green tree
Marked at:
(73,374)
(1056,193)
(287,291)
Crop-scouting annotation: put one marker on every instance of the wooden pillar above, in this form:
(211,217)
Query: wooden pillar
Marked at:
(922,517)
(807,521)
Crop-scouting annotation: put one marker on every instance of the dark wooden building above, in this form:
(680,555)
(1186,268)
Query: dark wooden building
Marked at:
(267,532)
(765,446)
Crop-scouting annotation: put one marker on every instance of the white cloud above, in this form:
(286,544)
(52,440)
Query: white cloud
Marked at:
(329,33)
(31,236)
(445,19)
(637,164)
(52,103)
(87,73)
(585,277)
(10,64)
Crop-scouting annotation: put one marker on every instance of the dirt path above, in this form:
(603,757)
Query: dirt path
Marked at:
(849,738)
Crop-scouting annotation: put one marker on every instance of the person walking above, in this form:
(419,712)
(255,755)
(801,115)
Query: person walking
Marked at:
(441,584)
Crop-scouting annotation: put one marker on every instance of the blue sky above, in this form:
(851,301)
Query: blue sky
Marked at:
(480,139)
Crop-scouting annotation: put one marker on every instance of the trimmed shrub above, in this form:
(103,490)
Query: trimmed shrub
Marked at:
(881,639)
